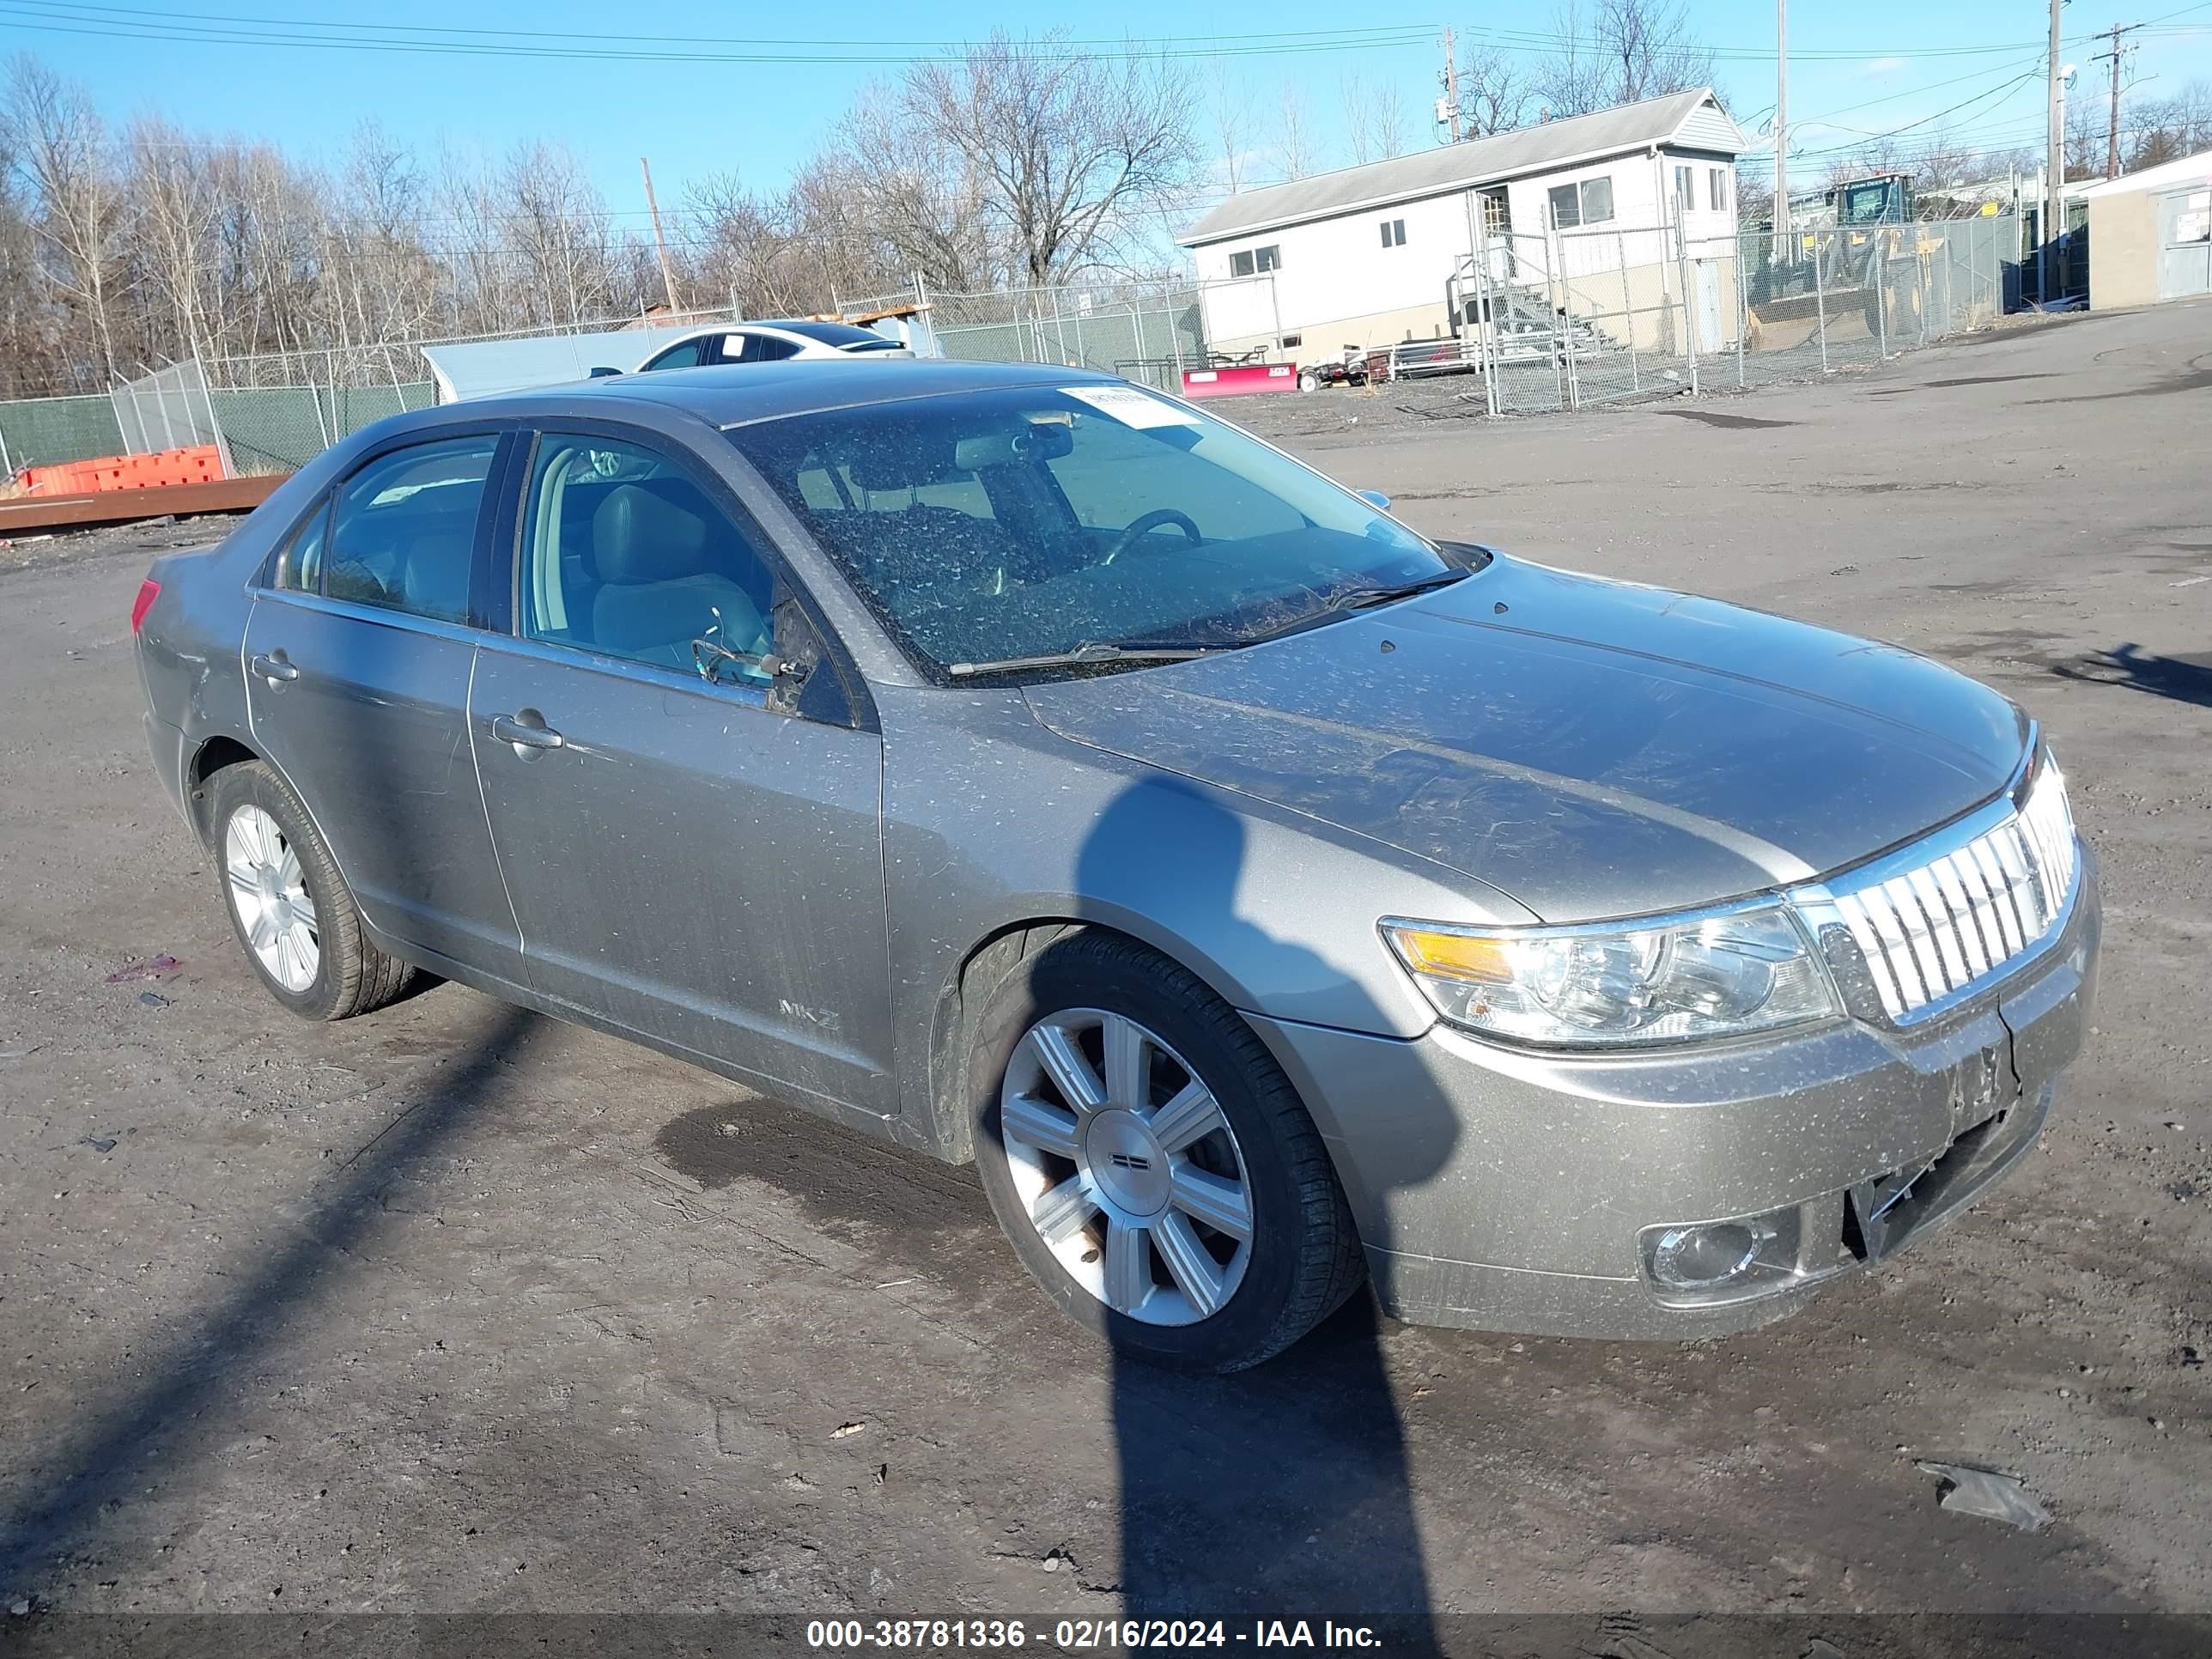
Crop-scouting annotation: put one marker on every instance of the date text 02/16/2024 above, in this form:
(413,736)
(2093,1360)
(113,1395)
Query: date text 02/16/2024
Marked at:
(1084,1635)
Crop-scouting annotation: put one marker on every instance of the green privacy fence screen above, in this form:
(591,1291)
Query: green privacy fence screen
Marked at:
(50,431)
(269,429)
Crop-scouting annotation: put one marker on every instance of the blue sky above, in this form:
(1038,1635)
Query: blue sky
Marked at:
(1870,67)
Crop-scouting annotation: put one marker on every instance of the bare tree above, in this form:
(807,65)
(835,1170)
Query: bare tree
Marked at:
(1375,119)
(2157,130)
(1295,152)
(2082,145)
(923,202)
(1622,52)
(1232,121)
(1495,93)
(1070,150)
(58,139)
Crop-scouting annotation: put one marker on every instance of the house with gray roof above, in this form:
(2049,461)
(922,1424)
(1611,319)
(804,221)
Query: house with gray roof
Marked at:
(1365,256)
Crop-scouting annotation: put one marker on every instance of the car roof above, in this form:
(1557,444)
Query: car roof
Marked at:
(737,394)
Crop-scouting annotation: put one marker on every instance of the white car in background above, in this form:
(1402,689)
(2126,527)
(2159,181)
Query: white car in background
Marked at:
(769,343)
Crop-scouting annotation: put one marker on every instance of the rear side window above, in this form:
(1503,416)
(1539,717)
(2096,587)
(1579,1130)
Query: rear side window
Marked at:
(404,528)
(300,566)
(767,349)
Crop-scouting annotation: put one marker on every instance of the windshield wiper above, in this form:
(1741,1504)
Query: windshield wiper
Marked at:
(1360,599)
(1090,650)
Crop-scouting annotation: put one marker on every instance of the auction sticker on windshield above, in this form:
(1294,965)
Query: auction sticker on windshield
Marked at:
(1130,406)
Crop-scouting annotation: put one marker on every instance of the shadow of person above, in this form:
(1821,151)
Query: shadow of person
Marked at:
(1282,1492)
(2182,678)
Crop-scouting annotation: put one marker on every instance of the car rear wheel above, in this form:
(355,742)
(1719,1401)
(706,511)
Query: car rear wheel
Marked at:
(1148,1160)
(294,915)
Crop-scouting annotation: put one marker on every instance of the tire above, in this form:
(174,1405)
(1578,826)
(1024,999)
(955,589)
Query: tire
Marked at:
(1309,381)
(1300,1257)
(259,828)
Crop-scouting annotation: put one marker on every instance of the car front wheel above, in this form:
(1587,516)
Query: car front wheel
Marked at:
(1148,1160)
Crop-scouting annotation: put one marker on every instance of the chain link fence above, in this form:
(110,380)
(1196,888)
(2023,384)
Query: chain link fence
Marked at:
(1568,317)
(1148,331)
(169,409)
(1554,319)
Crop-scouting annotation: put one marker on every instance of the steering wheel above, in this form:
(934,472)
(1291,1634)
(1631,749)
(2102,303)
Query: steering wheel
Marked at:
(1148,523)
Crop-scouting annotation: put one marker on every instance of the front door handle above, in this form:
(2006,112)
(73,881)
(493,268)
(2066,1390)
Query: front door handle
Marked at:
(507,729)
(273,667)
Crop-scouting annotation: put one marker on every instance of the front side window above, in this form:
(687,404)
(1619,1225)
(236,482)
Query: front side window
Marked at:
(1394,233)
(688,355)
(1566,206)
(1716,183)
(991,525)
(1267,259)
(1686,189)
(1597,200)
(625,555)
(404,528)
(1240,263)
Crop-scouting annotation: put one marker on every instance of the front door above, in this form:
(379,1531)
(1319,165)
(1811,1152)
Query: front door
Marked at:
(685,857)
(358,656)
(1712,333)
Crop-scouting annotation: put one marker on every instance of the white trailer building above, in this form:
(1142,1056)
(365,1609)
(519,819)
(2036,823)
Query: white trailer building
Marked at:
(1366,256)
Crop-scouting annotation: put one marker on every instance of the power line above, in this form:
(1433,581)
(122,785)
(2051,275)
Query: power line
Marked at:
(212,29)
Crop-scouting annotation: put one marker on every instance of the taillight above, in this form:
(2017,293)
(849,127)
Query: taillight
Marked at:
(149,591)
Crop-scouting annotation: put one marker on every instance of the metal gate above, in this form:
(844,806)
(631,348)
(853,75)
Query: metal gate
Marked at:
(2184,243)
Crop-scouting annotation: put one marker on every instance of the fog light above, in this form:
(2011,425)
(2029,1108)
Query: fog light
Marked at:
(1722,1261)
(1699,1258)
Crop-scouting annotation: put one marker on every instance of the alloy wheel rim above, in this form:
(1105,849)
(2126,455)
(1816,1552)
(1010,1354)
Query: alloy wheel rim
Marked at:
(1126,1167)
(269,891)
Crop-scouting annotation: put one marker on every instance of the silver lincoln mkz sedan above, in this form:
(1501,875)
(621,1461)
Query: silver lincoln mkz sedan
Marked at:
(1024,767)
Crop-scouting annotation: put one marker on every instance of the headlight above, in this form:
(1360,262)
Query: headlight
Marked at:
(2049,821)
(1621,983)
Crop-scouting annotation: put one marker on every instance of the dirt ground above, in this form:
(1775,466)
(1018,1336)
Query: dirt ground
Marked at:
(453,1309)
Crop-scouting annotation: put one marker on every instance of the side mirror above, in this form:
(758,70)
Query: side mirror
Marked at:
(602,371)
(1374,498)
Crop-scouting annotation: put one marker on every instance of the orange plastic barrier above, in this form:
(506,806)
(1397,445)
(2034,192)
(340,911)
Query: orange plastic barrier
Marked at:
(202,463)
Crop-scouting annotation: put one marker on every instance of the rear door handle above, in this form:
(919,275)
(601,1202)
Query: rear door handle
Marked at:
(507,729)
(274,667)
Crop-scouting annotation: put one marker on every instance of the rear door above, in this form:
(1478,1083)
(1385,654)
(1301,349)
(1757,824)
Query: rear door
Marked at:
(699,861)
(358,655)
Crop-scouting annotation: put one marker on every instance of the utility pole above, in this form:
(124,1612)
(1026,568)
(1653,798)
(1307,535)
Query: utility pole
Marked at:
(660,243)
(1451,84)
(2054,171)
(2112,124)
(1781,124)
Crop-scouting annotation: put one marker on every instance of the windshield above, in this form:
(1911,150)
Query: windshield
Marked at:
(989,526)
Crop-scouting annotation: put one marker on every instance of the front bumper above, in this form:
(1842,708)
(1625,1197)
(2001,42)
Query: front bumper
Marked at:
(1506,1190)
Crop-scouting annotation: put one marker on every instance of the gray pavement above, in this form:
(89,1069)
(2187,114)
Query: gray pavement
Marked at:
(454,1309)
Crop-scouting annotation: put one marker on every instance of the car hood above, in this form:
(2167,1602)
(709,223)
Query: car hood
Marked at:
(1592,748)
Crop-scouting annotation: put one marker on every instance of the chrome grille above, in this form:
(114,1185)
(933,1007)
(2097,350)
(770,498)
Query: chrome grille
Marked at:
(1960,917)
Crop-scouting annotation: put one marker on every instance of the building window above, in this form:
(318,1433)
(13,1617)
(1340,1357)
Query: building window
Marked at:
(1269,258)
(1261,260)
(1240,263)
(1394,233)
(1291,341)
(1718,178)
(1686,189)
(1590,203)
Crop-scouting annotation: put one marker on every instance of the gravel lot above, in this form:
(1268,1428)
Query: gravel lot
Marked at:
(454,1310)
